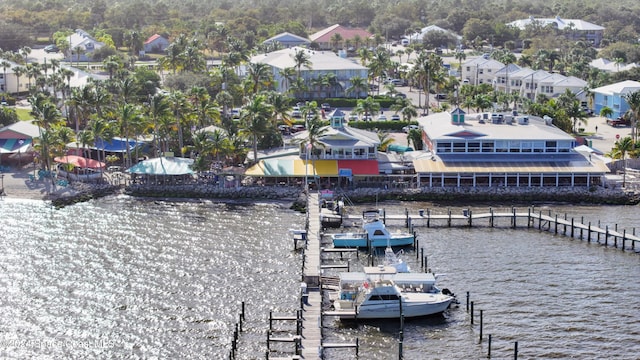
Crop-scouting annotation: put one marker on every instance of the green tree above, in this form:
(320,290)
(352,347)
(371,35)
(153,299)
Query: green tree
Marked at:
(619,152)
(254,118)
(633,100)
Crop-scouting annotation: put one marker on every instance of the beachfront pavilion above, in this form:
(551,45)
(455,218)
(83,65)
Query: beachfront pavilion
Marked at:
(489,150)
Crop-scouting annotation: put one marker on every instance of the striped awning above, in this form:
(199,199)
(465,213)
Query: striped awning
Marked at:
(299,168)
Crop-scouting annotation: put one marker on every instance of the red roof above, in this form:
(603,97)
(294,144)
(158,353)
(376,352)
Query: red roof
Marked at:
(152,38)
(79,161)
(360,167)
(345,32)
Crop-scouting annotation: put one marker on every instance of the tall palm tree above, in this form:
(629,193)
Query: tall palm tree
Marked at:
(180,108)
(336,40)
(254,118)
(633,100)
(18,71)
(311,144)
(5,64)
(102,129)
(301,59)
(619,152)
(260,75)
(158,110)
(460,56)
(281,107)
(358,85)
(128,120)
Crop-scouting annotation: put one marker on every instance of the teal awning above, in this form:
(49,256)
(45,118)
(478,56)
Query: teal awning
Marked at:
(163,166)
(11,146)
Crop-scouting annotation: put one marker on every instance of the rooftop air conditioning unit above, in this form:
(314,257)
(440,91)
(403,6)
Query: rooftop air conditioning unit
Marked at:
(523,120)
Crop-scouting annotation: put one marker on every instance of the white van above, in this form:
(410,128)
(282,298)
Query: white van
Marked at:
(404,42)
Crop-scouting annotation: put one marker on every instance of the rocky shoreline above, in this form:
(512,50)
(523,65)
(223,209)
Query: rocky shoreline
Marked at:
(595,196)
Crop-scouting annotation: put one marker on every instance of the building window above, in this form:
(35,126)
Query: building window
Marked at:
(514,146)
(459,147)
(443,147)
(473,147)
(551,146)
(502,146)
(487,146)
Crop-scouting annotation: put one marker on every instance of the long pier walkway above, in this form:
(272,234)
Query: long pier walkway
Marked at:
(311,331)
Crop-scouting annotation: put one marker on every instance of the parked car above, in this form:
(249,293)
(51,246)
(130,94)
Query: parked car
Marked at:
(353,117)
(326,107)
(296,113)
(367,117)
(235,113)
(297,128)
(408,128)
(51,48)
(284,129)
(395,117)
(382,117)
(401,95)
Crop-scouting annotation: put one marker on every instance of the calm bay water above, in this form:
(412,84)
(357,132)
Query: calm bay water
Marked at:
(124,278)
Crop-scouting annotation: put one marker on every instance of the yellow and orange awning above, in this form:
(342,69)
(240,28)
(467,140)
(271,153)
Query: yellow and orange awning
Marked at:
(299,168)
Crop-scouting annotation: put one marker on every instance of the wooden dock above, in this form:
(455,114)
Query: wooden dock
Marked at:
(558,224)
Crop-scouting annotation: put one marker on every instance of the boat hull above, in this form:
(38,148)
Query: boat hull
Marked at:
(391,309)
(360,240)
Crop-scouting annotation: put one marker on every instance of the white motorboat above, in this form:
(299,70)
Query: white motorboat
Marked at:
(383,293)
(375,234)
(393,259)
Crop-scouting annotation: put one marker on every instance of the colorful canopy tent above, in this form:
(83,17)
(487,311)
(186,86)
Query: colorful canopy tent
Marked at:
(118,145)
(299,168)
(12,146)
(80,161)
(163,166)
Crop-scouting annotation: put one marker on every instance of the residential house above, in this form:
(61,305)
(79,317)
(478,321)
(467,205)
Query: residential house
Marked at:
(575,29)
(324,38)
(323,63)
(504,79)
(288,40)
(9,82)
(611,66)
(419,35)
(612,96)
(480,70)
(502,150)
(81,45)
(156,44)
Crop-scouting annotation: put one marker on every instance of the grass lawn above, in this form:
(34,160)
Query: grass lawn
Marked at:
(23,114)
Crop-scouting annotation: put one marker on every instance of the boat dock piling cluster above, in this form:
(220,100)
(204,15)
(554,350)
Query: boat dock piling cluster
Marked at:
(470,311)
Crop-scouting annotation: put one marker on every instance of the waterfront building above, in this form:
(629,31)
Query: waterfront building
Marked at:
(508,150)
(342,151)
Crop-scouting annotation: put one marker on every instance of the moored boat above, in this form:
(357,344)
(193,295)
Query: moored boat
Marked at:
(374,234)
(382,293)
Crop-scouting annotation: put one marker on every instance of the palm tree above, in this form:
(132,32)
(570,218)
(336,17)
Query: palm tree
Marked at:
(367,106)
(102,129)
(606,112)
(311,145)
(179,106)
(5,64)
(301,59)
(633,100)
(358,85)
(254,118)
(25,51)
(460,56)
(18,71)
(336,40)
(128,119)
(159,109)
(281,107)
(260,75)
(385,140)
(620,150)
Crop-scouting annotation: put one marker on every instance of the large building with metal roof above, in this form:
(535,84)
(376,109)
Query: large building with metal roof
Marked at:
(489,150)
(322,63)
